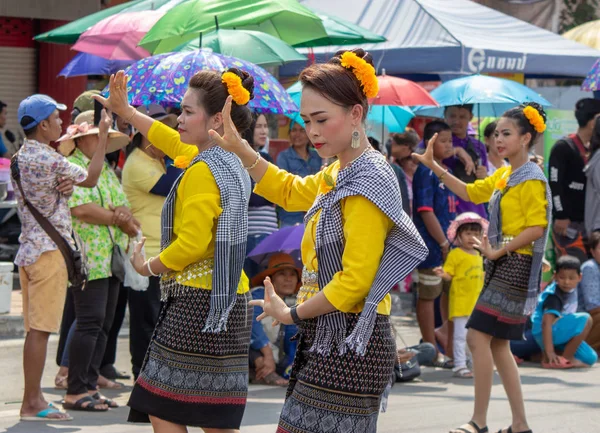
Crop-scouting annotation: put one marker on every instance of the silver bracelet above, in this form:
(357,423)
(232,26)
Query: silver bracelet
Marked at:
(149,268)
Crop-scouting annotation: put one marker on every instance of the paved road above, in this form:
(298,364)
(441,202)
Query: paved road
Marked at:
(557,401)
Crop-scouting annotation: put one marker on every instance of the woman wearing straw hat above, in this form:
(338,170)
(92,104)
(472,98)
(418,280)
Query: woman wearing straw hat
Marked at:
(102,219)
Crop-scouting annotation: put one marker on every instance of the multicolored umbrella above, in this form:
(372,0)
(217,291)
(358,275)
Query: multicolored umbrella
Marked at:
(592,81)
(587,34)
(255,47)
(69,33)
(88,64)
(163,79)
(341,32)
(286,19)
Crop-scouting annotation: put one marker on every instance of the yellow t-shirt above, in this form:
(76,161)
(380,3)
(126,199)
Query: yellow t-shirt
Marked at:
(467,281)
(522,206)
(140,173)
(363,249)
(197,209)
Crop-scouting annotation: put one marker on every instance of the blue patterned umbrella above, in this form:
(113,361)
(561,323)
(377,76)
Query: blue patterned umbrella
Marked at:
(88,64)
(163,79)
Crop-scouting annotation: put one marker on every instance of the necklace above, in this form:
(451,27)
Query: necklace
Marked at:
(361,154)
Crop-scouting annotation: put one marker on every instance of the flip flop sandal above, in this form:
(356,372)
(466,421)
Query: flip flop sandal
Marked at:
(103,400)
(475,426)
(510,430)
(463,373)
(79,405)
(446,363)
(42,416)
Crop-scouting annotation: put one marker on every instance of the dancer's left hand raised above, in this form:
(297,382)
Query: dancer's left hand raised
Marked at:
(273,306)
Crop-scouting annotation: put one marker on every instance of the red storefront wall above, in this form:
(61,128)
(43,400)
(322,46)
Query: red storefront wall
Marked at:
(51,59)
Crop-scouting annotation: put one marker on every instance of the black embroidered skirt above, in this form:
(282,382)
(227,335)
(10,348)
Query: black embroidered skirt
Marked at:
(500,309)
(191,377)
(336,393)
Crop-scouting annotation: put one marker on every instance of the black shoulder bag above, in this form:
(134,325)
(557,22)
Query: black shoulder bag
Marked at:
(74,258)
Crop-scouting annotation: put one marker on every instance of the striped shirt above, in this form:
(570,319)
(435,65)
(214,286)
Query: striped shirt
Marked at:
(262,220)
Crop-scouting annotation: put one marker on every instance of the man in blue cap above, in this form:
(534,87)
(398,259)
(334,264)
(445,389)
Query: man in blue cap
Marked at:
(42,268)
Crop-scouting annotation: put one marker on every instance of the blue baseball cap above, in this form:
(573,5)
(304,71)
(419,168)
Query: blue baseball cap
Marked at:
(37,107)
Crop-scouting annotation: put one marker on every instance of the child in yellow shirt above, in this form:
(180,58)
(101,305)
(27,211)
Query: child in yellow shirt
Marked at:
(464,268)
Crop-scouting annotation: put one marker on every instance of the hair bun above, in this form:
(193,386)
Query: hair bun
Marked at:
(247,80)
(365,55)
(538,107)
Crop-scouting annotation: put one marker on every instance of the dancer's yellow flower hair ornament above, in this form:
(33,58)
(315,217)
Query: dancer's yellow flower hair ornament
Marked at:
(240,95)
(535,118)
(364,72)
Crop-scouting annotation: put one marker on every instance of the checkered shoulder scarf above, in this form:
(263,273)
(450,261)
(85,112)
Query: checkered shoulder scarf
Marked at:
(528,171)
(232,230)
(372,177)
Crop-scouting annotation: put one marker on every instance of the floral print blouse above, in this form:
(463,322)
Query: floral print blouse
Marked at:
(96,237)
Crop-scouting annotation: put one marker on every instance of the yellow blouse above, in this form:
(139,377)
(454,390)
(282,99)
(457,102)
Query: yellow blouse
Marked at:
(522,206)
(197,208)
(363,250)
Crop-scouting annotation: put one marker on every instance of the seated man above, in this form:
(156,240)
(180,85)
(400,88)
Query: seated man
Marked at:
(271,349)
(557,327)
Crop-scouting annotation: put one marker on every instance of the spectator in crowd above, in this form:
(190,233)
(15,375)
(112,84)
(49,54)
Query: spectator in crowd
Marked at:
(399,175)
(42,272)
(403,144)
(84,102)
(589,291)
(466,169)
(409,167)
(568,158)
(262,215)
(10,142)
(300,159)
(557,327)
(463,267)
(434,209)
(592,188)
(272,349)
(147,180)
(103,220)
(4,153)
(495,161)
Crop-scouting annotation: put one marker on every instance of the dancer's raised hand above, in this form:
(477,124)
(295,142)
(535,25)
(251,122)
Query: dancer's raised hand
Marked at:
(117,101)
(427,158)
(273,305)
(231,139)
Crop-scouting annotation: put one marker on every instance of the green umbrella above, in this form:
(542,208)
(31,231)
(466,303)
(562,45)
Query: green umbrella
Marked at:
(286,19)
(256,47)
(341,32)
(69,33)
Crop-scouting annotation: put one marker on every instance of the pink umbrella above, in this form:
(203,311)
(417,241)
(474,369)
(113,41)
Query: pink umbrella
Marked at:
(116,37)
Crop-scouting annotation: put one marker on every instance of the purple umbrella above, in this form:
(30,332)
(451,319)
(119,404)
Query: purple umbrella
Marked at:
(285,240)
(163,79)
(88,64)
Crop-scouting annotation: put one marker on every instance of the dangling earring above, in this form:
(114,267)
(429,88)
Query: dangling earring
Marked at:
(355,140)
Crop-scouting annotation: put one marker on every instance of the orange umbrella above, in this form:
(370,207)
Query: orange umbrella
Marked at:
(401,92)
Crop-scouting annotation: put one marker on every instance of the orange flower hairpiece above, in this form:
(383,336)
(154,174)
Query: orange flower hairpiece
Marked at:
(240,95)
(182,162)
(535,118)
(364,72)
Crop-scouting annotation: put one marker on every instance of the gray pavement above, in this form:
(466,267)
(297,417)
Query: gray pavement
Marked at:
(557,401)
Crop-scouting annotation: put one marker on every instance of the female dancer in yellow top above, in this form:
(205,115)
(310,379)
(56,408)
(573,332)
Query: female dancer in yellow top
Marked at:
(357,245)
(520,209)
(196,369)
